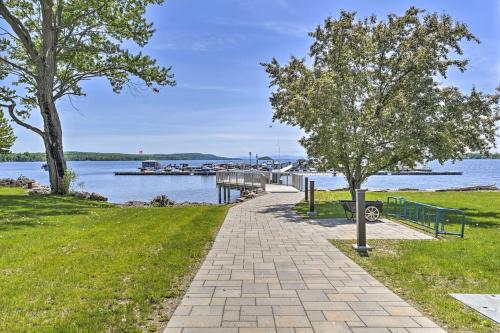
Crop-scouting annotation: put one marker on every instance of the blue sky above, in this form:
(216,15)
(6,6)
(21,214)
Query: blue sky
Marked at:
(220,104)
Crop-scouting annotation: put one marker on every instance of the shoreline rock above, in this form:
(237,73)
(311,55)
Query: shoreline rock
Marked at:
(89,196)
(31,185)
(491,188)
(470,188)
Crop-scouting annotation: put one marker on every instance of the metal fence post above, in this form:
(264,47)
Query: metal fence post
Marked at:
(360,245)
(436,223)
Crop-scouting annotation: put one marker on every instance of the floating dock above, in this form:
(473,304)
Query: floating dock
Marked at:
(419,173)
(165,173)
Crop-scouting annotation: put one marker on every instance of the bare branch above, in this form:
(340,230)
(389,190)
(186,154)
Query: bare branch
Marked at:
(63,88)
(11,107)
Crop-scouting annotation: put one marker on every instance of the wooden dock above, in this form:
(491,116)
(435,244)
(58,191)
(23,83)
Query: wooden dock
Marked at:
(165,173)
(419,173)
(256,180)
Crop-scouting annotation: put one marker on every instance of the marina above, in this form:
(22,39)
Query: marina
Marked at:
(301,167)
(165,173)
(419,173)
(99,176)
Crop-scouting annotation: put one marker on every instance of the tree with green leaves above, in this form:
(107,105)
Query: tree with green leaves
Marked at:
(7,136)
(371,98)
(49,47)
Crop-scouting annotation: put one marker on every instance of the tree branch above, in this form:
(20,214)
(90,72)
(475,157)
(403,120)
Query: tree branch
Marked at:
(18,67)
(71,29)
(62,89)
(18,121)
(21,31)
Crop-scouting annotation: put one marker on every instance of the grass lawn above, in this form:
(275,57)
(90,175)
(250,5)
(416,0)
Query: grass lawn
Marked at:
(71,265)
(425,272)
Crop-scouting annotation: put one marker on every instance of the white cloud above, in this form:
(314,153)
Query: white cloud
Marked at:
(213,88)
(197,42)
(287,28)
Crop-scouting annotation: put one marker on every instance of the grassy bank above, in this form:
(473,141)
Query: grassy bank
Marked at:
(425,272)
(69,265)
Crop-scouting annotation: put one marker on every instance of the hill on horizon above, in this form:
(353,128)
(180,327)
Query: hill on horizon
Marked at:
(95,156)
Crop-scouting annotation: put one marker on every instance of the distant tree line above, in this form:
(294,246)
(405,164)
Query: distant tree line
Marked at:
(92,156)
(494,156)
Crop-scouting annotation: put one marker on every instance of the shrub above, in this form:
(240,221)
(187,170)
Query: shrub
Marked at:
(162,201)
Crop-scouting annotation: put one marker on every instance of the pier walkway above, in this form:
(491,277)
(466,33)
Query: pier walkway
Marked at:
(270,271)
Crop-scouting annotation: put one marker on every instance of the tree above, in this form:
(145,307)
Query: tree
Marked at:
(7,137)
(48,47)
(372,100)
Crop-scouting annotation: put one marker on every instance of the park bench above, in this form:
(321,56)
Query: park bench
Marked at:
(373,209)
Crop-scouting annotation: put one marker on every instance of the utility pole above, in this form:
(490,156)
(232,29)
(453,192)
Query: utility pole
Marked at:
(279,149)
(250,159)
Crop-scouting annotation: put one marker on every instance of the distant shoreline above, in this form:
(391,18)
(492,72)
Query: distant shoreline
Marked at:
(96,157)
(109,157)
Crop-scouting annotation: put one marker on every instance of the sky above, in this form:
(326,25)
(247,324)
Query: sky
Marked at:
(221,102)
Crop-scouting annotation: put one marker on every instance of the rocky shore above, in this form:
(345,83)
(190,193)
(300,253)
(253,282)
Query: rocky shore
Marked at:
(164,201)
(34,188)
(31,185)
(406,189)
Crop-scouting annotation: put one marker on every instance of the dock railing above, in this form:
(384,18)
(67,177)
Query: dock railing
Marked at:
(425,215)
(298,181)
(252,179)
(241,179)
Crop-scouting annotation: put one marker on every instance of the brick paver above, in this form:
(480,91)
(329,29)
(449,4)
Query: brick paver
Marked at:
(272,272)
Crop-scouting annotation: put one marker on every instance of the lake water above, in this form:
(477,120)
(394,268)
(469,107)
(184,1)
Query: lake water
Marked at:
(99,177)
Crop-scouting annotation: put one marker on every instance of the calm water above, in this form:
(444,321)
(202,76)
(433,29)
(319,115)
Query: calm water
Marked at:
(99,177)
(475,172)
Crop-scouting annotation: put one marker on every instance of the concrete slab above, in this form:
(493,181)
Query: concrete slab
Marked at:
(486,304)
(274,188)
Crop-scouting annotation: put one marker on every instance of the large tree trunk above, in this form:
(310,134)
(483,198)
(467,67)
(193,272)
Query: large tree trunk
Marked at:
(354,184)
(56,164)
(53,146)
(52,124)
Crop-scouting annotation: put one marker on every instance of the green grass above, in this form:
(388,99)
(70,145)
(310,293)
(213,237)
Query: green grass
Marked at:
(70,265)
(425,272)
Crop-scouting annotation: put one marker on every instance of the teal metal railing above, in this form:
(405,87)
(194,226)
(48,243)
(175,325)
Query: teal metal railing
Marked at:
(428,216)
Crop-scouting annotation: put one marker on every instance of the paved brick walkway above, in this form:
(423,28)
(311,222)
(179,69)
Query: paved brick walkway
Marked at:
(270,271)
(382,229)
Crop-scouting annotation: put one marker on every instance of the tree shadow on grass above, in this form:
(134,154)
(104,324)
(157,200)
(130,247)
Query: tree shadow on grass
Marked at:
(473,215)
(14,225)
(25,211)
